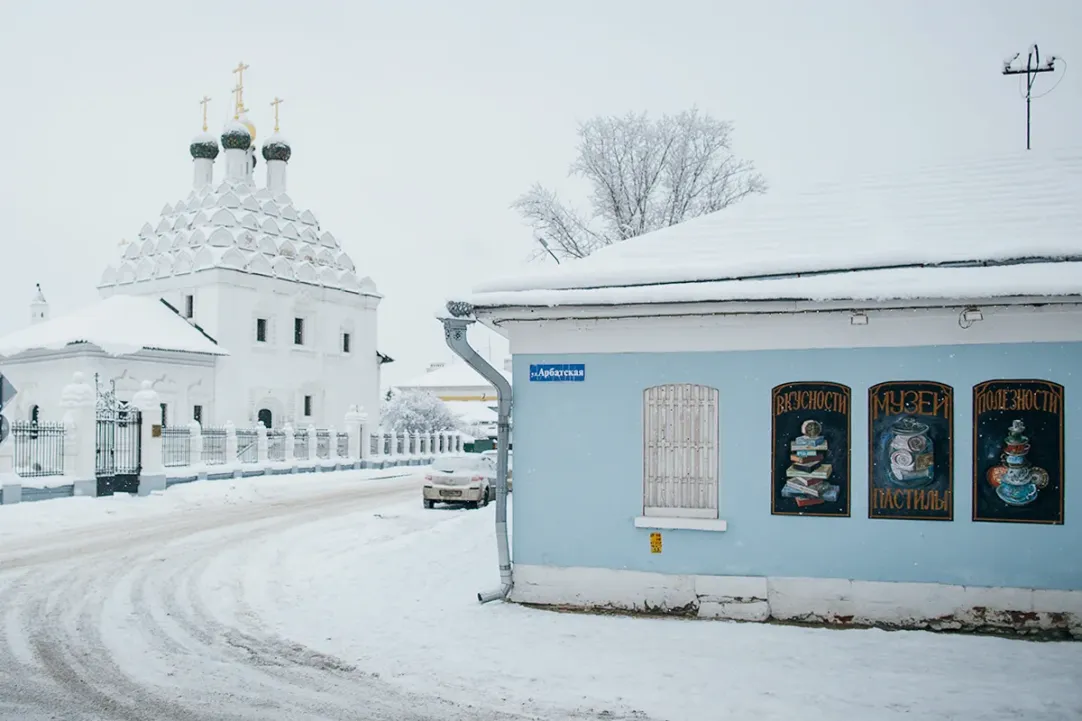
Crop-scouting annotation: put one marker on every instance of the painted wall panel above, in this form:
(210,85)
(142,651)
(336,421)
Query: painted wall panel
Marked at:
(578,474)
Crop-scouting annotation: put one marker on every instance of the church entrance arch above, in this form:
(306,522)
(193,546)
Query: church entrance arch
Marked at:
(266,417)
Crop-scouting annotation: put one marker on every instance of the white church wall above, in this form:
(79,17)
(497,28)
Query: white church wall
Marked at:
(182,380)
(40,376)
(276,374)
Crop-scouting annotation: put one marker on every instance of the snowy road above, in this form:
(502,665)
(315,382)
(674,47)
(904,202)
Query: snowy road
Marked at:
(123,620)
(342,598)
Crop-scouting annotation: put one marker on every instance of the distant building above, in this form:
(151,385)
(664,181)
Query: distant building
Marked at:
(857,404)
(467,394)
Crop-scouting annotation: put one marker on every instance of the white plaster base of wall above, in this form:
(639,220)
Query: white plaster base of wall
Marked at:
(10,493)
(148,483)
(807,600)
(85,488)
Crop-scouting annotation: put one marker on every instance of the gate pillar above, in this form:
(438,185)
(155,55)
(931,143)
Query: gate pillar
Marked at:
(152,467)
(77,404)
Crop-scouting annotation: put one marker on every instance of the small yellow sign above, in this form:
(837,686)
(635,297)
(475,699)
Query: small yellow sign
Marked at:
(655,542)
(155,431)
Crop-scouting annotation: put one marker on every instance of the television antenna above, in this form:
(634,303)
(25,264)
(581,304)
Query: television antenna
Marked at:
(1031,69)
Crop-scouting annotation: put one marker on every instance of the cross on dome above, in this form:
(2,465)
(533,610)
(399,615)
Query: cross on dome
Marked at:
(275,103)
(239,90)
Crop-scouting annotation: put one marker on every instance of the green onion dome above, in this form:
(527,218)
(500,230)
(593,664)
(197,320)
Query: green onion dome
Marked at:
(204,145)
(236,136)
(277,148)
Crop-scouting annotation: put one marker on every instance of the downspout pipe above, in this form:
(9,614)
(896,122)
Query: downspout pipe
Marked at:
(454,332)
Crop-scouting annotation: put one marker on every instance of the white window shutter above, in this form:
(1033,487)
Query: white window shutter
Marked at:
(680,451)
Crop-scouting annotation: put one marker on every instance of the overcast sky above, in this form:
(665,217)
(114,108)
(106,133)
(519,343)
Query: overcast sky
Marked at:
(415,124)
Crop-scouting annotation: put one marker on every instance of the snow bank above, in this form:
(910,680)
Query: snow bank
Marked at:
(118,325)
(394,593)
(1023,205)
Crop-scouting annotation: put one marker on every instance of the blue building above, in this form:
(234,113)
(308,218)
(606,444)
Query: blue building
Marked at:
(860,403)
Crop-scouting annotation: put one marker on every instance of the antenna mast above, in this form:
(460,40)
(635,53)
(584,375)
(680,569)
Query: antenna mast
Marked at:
(1031,70)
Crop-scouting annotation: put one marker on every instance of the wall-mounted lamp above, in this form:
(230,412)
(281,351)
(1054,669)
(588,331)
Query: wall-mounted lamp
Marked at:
(858,318)
(969,316)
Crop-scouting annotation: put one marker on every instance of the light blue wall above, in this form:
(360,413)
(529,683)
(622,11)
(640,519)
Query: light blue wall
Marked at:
(578,471)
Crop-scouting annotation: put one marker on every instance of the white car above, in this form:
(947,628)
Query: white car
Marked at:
(492,455)
(460,479)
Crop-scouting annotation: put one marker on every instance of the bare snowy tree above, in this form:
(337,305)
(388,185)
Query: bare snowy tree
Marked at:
(645,174)
(417,411)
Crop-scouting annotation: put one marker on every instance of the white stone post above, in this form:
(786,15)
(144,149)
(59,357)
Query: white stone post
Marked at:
(365,442)
(332,443)
(405,445)
(353,430)
(7,458)
(230,443)
(78,403)
(195,444)
(70,442)
(432,447)
(261,450)
(313,445)
(392,444)
(11,488)
(152,475)
(290,439)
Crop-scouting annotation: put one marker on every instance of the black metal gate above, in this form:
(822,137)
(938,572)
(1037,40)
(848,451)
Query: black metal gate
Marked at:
(119,444)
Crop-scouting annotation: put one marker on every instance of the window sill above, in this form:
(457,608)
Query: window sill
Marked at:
(681,524)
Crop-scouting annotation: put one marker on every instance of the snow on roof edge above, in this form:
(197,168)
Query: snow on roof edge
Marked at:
(1059,280)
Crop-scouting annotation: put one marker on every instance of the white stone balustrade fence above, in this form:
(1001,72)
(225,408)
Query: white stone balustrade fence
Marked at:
(178,454)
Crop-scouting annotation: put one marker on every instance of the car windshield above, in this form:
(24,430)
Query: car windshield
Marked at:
(458,465)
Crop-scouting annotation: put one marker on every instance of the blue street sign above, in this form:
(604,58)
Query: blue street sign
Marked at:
(557,372)
(7,391)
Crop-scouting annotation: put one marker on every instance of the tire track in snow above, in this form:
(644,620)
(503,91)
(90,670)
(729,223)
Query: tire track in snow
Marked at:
(67,602)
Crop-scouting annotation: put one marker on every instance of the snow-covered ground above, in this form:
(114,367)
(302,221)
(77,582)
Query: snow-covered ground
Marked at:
(342,598)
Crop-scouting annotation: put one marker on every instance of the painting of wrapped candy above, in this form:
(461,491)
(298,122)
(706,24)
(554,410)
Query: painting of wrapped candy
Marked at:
(811,449)
(1018,451)
(911,454)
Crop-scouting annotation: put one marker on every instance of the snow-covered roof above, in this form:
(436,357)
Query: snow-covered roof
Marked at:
(119,325)
(452,375)
(237,226)
(474,412)
(1004,226)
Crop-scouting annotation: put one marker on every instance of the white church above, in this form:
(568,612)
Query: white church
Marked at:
(233,302)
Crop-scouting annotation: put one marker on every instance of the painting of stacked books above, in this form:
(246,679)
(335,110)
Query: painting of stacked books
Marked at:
(811,435)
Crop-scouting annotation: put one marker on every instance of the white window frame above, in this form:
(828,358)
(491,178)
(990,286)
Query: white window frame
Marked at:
(266,330)
(304,331)
(681,452)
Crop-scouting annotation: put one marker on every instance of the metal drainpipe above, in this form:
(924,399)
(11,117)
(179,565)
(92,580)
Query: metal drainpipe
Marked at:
(454,332)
